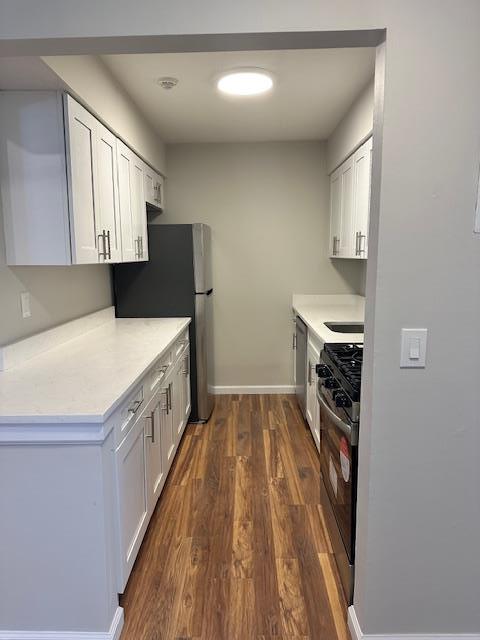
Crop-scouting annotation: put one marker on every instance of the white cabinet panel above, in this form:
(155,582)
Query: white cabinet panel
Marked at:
(139,209)
(106,202)
(153,185)
(128,222)
(155,459)
(132,499)
(346,233)
(82,168)
(335,212)
(132,204)
(362,161)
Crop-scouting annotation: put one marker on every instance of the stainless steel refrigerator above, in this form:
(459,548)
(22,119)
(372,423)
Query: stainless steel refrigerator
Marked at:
(175,282)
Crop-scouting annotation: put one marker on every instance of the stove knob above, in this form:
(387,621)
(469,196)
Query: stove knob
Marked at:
(322,370)
(331,383)
(342,400)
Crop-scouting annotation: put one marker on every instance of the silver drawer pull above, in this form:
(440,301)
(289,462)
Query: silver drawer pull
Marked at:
(133,408)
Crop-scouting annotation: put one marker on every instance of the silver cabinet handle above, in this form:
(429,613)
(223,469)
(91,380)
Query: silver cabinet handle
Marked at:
(165,398)
(133,408)
(136,248)
(151,435)
(186,368)
(294,341)
(357,243)
(170,397)
(102,254)
(109,245)
(140,240)
(361,236)
(336,240)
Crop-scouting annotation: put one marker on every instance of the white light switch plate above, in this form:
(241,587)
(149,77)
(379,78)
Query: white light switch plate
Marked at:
(413,351)
(25,304)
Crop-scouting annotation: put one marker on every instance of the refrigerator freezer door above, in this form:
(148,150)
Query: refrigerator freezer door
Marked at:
(202,263)
(204,348)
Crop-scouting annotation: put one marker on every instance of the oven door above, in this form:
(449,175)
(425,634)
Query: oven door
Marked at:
(338,463)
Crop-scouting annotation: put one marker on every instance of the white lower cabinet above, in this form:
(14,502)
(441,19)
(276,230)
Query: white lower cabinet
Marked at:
(132,495)
(144,456)
(312,407)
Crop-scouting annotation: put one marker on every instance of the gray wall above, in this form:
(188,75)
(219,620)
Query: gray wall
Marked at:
(267,204)
(418,566)
(352,129)
(57,294)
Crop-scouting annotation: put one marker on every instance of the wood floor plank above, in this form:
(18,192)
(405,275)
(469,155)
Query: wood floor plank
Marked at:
(292,605)
(237,547)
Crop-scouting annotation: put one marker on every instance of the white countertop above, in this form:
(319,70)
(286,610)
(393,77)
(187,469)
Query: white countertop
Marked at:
(315,310)
(84,379)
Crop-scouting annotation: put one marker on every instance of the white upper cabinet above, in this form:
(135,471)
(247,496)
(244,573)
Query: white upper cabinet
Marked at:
(133,211)
(72,192)
(154,187)
(335,212)
(350,205)
(362,161)
(82,169)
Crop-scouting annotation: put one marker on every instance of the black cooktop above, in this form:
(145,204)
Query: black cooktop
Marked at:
(345,360)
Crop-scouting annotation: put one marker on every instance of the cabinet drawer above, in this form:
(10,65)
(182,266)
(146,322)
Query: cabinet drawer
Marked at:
(180,344)
(125,416)
(159,370)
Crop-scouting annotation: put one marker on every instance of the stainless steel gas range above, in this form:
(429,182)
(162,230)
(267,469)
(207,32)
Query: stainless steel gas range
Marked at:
(338,393)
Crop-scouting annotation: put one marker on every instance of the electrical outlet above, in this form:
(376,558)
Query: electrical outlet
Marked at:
(25,304)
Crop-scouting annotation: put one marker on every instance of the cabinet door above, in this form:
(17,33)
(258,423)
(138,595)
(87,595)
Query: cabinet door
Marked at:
(313,358)
(186,397)
(106,192)
(167,426)
(82,170)
(362,161)
(153,187)
(347,243)
(155,458)
(335,212)
(139,209)
(132,499)
(149,184)
(177,401)
(126,204)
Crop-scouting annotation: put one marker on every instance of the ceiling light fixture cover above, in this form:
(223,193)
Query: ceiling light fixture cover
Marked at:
(245,82)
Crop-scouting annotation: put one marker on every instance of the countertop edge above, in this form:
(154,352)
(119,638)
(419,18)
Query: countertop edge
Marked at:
(84,423)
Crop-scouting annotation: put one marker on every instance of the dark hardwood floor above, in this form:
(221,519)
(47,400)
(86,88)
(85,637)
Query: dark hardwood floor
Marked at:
(237,548)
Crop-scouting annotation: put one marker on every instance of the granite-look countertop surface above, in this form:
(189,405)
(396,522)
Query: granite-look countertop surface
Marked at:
(315,310)
(83,379)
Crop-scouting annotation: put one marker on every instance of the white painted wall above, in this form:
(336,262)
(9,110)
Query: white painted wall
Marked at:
(352,129)
(92,81)
(267,204)
(418,566)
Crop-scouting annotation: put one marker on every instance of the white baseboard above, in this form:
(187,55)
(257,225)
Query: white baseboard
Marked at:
(112,634)
(257,389)
(357,634)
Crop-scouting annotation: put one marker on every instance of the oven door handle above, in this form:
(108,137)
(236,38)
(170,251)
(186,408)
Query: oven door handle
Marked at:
(349,431)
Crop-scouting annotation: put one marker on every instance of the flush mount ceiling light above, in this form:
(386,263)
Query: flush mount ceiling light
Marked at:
(245,82)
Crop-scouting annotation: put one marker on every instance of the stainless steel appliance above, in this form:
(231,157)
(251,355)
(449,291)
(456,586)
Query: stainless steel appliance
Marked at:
(175,282)
(300,345)
(338,393)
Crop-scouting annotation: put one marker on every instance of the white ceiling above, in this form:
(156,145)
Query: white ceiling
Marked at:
(312,92)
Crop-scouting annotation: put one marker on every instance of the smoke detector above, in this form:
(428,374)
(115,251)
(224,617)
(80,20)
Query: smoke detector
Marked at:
(167,83)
